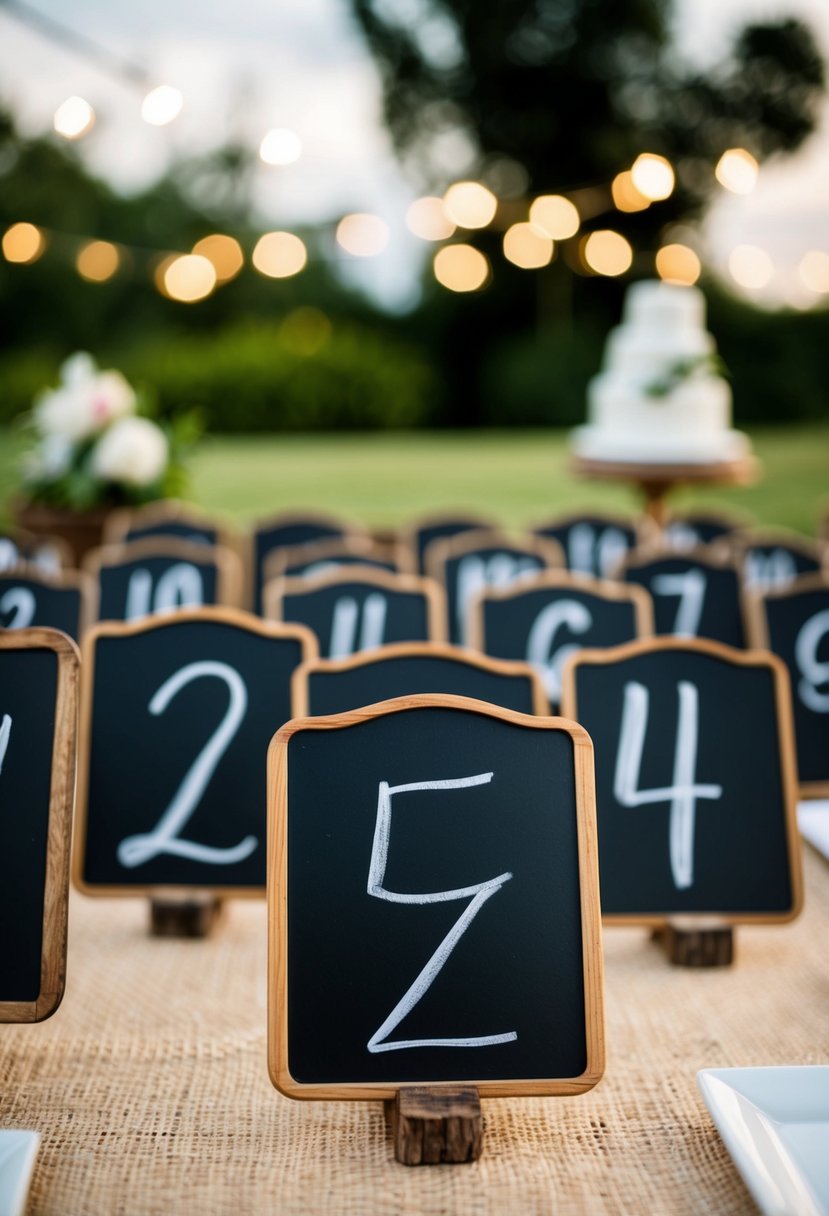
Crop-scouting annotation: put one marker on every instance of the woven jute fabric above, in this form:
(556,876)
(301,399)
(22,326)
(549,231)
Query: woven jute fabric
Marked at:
(150,1086)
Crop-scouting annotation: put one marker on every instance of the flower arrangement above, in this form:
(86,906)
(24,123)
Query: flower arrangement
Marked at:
(96,446)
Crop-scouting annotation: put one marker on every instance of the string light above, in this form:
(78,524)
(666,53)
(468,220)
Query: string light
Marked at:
(73,118)
(279,255)
(607,253)
(653,176)
(737,170)
(362,235)
(97,261)
(750,266)
(470,205)
(161,105)
(625,195)
(526,247)
(280,147)
(555,216)
(813,271)
(189,277)
(23,243)
(678,264)
(426,218)
(224,252)
(461,268)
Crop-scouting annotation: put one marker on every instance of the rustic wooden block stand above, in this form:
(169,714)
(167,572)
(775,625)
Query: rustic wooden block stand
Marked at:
(436,1126)
(191,915)
(690,945)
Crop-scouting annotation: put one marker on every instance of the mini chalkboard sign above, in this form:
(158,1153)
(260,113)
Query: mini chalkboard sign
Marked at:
(433,914)
(167,517)
(39,671)
(177,712)
(554,614)
(321,557)
(696,593)
(65,600)
(695,781)
(774,558)
(332,686)
(416,536)
(466,564)
(594,543)
(358,608)
(287,531)
(686,530)
(162,574)
(793,622)
(48,554)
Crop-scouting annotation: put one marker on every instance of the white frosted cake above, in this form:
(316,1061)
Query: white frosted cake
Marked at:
(659,398)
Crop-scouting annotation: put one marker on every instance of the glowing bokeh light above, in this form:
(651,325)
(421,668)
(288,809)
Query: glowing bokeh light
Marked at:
(23,243)
(279,255)
(653,176)
(737,170)
(280,147)
(224,252)
(813,271)
(625,195)
(750,266)
(73,118)
(470,205)
(161,105)
(427,219)
(97,261)
(461,268)
(526,247)
(607,252)
(555,216)
(678,264)
(362,235)
(189,277)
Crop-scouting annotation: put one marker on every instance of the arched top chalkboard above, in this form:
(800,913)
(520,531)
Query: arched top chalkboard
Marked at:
(774,557)
(532,969)
(327,686)
(168,517)
(696,592)
(46,553)
(301,561)
(285,530)
(66,600)
(594,541)
(113,567)
(39,672)
(417,534)
(322,591)
(696,780)
(685,530)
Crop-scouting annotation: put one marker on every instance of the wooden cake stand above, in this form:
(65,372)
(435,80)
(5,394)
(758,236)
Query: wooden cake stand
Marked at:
(655,481)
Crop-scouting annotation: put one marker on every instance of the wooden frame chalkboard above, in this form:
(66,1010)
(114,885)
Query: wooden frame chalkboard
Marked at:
(233,617)
(74,580)
(349,550)
(278,907)
(58,832)
(415,650)
(692,600)
(128,524)
(277,590)
(409,542)
(750,659)
(806,553)
(261,543)
(641,527)
(228,566)
(709,526)
(29,548)
(756,605)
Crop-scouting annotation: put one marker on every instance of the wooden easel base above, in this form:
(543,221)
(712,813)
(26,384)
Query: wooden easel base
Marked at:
(436,1126)
(697,947)
(184,916)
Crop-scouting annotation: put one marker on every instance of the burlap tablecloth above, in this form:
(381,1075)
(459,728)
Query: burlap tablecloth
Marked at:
(150,1086)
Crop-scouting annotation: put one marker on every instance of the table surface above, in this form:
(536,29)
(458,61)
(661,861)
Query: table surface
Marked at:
(151,1092)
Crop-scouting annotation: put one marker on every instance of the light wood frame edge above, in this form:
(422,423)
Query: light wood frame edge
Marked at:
(228,563)
(443,550)
(787,758)
(68,578)
(356,544)
(218,614)
(59,829)
(592,954)
(167,510)
(406,548)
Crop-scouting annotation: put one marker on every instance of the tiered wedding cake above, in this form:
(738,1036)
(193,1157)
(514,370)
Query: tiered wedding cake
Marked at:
(659,398)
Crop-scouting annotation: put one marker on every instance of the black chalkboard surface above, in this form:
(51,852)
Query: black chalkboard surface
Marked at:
(554,614)
(286,531)
(793,622)
(696,594)
(695,780)
(770,558)
(167,517)
(689,529)
(38,721)
(177,712)
(433,910)
(465,564)
(160,574)
(320,557)
(332,686)
(47,554)
(593,543)
(64,601)
(418,534)
(359,608)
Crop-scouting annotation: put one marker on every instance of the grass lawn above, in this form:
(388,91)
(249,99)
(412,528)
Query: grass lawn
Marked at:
(518,476)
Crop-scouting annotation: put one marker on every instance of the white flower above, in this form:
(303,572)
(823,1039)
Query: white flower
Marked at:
(132,450)
(51,459)
(85,402)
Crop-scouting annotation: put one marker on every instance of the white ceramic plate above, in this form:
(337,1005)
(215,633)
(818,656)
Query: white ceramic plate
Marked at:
(17,1160)
(775,1124)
